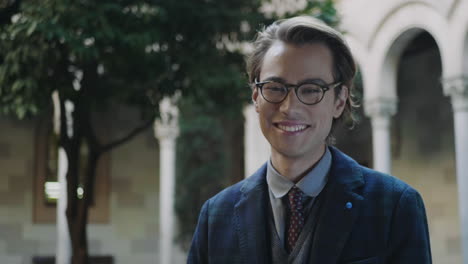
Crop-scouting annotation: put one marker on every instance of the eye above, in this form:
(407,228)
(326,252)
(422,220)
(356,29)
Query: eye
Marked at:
(310,89)
(274,87)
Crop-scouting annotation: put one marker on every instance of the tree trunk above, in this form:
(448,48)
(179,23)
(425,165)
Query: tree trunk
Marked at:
(77,209)
(81,249)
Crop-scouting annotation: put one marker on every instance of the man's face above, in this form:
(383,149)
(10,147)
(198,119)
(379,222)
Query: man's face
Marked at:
(296,130)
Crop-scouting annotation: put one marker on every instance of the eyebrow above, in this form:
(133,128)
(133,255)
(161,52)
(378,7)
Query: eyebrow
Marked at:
(283,81)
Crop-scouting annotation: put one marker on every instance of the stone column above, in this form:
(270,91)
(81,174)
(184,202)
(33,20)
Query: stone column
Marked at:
(380,110)
(256,147)
(63,253)
(166,131)
(457,89)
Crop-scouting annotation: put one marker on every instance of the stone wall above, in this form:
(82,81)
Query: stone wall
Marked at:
(19,238)
(131,235)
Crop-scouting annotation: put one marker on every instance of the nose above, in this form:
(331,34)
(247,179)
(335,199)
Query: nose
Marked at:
(290,104)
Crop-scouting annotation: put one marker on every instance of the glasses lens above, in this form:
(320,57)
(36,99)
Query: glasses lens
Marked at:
(310,93)
(274,92)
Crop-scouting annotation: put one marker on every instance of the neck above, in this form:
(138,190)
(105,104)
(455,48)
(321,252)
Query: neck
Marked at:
(295,168)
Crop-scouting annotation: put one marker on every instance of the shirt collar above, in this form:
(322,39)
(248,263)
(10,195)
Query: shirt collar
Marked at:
(312,183)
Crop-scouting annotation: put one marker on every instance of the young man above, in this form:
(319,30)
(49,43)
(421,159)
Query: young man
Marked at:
(310,203)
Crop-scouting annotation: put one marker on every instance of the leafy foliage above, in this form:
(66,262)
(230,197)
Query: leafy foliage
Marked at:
(51,40)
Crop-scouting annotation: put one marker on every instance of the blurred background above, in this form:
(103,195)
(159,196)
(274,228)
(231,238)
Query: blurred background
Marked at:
(118,119)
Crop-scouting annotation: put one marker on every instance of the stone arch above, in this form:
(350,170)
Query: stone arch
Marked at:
(392,35)
(458,38)
(392,13)
(381,97)
(388,73)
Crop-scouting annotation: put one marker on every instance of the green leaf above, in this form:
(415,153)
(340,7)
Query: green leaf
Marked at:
(16,87)
(31,28)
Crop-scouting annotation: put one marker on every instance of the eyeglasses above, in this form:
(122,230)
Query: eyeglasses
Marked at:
(308,93)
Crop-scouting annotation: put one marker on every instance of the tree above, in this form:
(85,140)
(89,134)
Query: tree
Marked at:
(92,55)
(99,54)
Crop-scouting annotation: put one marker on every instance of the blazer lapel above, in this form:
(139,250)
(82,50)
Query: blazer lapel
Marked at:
(337,217)
(339,211)
(251,219)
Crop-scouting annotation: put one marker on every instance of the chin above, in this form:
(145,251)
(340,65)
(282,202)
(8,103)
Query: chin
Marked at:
(291,153)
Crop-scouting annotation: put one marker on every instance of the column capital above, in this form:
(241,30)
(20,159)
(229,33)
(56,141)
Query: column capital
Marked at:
(457,88)
(167,126)
(380,107)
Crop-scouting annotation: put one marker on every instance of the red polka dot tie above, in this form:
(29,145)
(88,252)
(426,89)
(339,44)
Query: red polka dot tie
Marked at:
(296,216)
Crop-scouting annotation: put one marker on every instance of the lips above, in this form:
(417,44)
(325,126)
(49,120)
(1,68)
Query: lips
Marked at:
(291,127)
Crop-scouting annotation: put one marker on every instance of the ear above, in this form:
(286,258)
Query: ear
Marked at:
(255,98)
(340,102)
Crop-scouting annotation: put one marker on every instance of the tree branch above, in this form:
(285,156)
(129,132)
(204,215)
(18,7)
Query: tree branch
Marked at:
(64,141)
(127,137)
(90,78)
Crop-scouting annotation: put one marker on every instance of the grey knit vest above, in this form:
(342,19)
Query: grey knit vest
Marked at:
(300,253)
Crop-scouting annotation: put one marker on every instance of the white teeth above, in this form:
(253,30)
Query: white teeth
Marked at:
(292,128)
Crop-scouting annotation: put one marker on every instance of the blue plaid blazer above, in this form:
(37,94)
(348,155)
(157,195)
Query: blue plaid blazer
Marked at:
(367,217)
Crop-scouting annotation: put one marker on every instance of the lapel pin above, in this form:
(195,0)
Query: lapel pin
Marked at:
(349,205)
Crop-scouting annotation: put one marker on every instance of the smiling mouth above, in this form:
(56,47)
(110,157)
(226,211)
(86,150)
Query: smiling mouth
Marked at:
(291,128)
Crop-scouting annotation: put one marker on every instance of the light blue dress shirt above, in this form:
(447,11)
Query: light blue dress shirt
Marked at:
(311,184)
